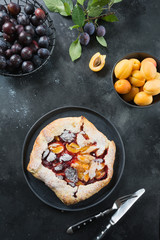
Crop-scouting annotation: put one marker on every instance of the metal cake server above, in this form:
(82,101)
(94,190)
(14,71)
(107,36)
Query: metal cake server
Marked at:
(121,211)
(116,205)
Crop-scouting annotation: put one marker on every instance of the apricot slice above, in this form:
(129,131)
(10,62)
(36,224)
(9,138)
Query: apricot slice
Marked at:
(148,69)
(136,63)
(152,87)
(137,78)
(73,147)
(143,99)
(122,86)
(123,69)
(150,60)
(130,96)
(85,158)
(97,62)
(56,148)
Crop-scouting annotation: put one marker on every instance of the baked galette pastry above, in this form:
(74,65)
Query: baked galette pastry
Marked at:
(72,158)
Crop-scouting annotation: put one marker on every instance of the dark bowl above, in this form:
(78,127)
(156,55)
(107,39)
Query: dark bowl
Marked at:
(140,56)
(51,34)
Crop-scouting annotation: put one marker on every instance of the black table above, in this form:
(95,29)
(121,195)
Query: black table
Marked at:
(62,83)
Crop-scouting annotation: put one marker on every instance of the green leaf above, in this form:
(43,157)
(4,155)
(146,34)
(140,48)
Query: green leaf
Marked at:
(100,2)
(56,6)
(102,41)
(116,1)
(69,2)
(75,50)
(80,1)
(95,12)
(110,18)
(67,8)
(78,16)
(74,26)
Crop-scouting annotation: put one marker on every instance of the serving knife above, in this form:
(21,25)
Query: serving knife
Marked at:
(121,212)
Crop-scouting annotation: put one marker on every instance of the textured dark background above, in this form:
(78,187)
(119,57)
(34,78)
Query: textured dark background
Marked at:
(61,83)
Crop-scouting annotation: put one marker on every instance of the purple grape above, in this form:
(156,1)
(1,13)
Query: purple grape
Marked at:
(8,53)
(40,14)
(3,18)
(29,9)
(101,31)
(26,53)
(16,60)
(9,38)
(89,28)
(84,38)
(3,44)
(37,60)
(25,38)
(41,30)
(19,28)
(34,46)
(13,20)
(35,21)
(29,29)
(8,28)
(16,48)
(27,66)
(14,9)
(3,62)
(23,20)
(43,42)
(43,53)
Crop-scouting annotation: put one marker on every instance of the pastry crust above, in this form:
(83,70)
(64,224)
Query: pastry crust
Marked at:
(66,193)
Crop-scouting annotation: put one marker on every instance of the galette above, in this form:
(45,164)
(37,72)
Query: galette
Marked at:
(72,158)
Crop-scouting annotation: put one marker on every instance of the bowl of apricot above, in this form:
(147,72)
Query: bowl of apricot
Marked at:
(136,79)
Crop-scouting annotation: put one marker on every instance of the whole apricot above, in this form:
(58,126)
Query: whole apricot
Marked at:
(123,69)
(150,60)
(122,86)
(136,64)
(152,87)
(130,96)
(137,78)
(148,69)
(157,76)
(143,99)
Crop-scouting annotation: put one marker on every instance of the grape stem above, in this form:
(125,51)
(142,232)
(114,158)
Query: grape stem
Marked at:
(104,15)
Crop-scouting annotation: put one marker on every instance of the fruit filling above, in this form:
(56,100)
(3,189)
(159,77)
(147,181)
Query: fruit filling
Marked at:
(75,164)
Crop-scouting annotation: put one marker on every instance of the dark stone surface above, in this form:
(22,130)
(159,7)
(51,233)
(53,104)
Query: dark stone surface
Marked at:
(61,83)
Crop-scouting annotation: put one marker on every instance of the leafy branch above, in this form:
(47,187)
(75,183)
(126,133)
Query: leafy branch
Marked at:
(83,14)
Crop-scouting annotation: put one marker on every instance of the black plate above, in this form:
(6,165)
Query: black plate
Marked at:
(105,126)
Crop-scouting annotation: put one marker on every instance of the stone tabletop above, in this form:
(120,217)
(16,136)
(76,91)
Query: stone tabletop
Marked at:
(64,83)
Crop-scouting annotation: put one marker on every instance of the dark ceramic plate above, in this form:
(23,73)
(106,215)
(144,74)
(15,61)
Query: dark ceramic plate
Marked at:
(140,56)
(105,126)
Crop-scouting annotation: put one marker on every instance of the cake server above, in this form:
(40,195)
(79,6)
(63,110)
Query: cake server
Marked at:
(121,212)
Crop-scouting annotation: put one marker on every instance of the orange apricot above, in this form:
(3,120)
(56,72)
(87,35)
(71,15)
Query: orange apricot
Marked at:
(148,69)
(122,86)
(143,99)
(136,64)
(97,62)
(123,69)
(137,78)
(130,96)
(150,60)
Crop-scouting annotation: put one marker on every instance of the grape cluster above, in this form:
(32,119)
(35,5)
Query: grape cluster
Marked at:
(89,29)
(25,42)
